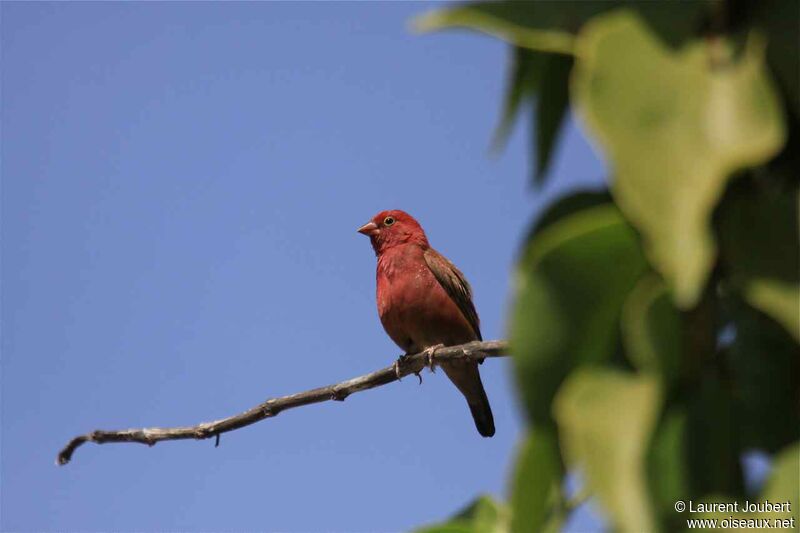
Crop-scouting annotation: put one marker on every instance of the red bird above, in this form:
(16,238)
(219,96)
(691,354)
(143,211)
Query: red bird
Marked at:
(425,302)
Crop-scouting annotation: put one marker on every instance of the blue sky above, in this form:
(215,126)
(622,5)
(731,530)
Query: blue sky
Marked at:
(181,184)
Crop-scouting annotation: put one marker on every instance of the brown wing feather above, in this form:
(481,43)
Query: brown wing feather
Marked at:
(456,286)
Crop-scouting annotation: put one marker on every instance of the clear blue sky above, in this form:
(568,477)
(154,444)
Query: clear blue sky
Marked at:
(181,184)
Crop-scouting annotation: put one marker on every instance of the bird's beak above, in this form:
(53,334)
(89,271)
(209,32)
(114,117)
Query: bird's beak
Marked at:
(369,229)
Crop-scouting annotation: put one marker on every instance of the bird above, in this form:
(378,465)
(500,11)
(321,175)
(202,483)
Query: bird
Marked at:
(425,302)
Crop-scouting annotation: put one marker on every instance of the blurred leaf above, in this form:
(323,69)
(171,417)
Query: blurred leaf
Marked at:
(667,468)
(780,300)
(568,205)
(782,170)
(765,363)
(778,19)
(783,483)
(484,515)
(570,287)
(674,22)
(782,486)
(544,26)
(543,77)
(758,228)
(713,441)
(606,419)
(551,26)
(651,328)
(449,527)
(536,482)
(674,127)
(523,82)
(551,107)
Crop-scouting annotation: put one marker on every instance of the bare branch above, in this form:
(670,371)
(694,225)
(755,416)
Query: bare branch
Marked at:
(411,364)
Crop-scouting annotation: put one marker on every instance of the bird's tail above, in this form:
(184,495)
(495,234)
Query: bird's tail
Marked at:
(482,414)
(466,377)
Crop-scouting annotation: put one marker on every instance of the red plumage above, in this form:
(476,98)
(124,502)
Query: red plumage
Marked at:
(425,301)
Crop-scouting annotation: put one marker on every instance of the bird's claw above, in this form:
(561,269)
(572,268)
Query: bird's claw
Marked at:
(430,352)
(398,364)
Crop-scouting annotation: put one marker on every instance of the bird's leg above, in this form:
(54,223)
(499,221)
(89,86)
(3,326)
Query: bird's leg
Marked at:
(397,364)
(400,362)
(429,352)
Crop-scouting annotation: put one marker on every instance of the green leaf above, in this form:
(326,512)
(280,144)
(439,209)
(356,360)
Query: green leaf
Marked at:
(606,419)
(543,77)
(551,107)
(651,328)
(523,82)
(713,443)
(778,20)
(566,206)
(758,227)
(782,486)
(551,26)
(780,300)
(449,527)
(570,287)
(783,483)
(765,367)
(667,469)
(484,515)
(674,126)
(537,25)
(536,482)
(548,27)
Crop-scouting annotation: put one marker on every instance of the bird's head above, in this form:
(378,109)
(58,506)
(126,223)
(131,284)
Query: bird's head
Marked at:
(391,228)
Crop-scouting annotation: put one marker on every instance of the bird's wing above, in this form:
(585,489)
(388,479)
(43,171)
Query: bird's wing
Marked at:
(456,286)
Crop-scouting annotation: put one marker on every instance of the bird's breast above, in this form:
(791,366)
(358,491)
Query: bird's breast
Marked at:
(414,309)
(402,284)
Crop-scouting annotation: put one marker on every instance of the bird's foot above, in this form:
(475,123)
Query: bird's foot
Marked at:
(430,352)
(397,364)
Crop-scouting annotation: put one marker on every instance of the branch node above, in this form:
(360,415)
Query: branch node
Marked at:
(338,395)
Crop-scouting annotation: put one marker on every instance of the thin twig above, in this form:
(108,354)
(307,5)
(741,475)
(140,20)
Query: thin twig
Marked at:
(411,364)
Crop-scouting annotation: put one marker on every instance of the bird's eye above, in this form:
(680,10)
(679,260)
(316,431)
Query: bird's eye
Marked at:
(388,221)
